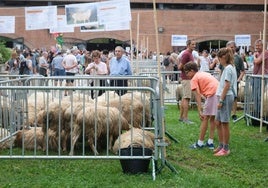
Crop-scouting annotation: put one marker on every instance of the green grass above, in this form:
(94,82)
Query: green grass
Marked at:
(245,167)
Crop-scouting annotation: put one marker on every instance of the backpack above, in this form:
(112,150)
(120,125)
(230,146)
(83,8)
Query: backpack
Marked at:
(22,68)
(166,61)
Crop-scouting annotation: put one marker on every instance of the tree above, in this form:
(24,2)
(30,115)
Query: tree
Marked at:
(4,52)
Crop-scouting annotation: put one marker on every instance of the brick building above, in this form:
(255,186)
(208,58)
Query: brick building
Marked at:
(211,23)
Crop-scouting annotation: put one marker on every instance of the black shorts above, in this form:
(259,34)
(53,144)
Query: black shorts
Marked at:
(70,74)
(43,71)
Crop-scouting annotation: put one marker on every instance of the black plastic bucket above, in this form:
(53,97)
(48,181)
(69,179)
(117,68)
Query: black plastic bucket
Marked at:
(135,166)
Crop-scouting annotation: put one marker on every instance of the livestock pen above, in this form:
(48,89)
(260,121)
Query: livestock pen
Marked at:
(39,122)
(256,100)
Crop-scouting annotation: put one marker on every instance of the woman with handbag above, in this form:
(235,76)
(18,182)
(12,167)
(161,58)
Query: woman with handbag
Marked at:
(12,65)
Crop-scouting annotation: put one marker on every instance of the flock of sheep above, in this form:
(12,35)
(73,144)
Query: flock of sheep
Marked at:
(105,123)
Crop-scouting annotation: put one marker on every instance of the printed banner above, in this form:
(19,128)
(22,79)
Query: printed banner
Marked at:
(62,26)
(7,24)
(178,40)
(243,40)
(103,16)
(43,17)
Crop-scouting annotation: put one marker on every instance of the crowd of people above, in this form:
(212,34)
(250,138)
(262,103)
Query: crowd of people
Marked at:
(72,62)
(206,61)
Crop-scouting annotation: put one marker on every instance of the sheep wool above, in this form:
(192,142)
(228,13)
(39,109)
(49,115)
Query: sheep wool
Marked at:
(98,122)
(134,137)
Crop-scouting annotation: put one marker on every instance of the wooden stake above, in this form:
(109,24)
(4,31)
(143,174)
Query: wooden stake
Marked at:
(147,48)
(131,44)
(159,72)
(263,62)
(137,45)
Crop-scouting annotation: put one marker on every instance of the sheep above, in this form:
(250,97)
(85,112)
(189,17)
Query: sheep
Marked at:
(77,97)
(52,118)
(179,92)
(33,139)
(32,113)
(132,109)
(52,115)
(96,121)
(69,117)
(145,100)
(38,100)
(81,16)
(134,137)
(35,103)
(6,139)
(108,95)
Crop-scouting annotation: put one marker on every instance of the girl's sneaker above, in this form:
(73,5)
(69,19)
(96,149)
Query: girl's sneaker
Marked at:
(217,150)
(222,152)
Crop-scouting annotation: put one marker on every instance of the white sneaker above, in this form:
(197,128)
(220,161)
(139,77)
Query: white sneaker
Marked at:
(188,122)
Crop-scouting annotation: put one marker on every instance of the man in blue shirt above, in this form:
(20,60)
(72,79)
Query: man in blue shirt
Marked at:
(120,66)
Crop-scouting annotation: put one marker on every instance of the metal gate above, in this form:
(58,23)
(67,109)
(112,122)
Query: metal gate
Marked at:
(39,121)
(253,102)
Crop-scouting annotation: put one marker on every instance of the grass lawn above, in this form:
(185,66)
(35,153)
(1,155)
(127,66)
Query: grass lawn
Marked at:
(247,166)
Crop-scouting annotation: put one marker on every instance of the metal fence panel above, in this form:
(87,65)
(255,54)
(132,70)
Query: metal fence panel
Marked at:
(38,119)
(253,102)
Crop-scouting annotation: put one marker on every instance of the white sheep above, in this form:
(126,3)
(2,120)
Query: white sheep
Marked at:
(77,97)
(106,96)
(135,111)
(69,116)
(134,137)
(33,138)
(36,102)
(52,118)
(81,16)
(179,93)
(99,122)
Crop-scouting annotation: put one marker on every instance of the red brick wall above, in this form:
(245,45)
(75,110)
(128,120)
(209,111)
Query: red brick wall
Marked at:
(198,25)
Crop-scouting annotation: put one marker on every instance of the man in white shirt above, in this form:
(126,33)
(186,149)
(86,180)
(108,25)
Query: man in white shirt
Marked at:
(70,65)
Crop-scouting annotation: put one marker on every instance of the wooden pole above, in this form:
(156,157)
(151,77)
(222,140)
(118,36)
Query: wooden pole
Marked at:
(137,45)
(263,62)
(159,73)
(143,47)
(147,48)
(131,44)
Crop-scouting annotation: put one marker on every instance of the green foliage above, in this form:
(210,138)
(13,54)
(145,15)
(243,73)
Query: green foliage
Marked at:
(4,52)
(246,166)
